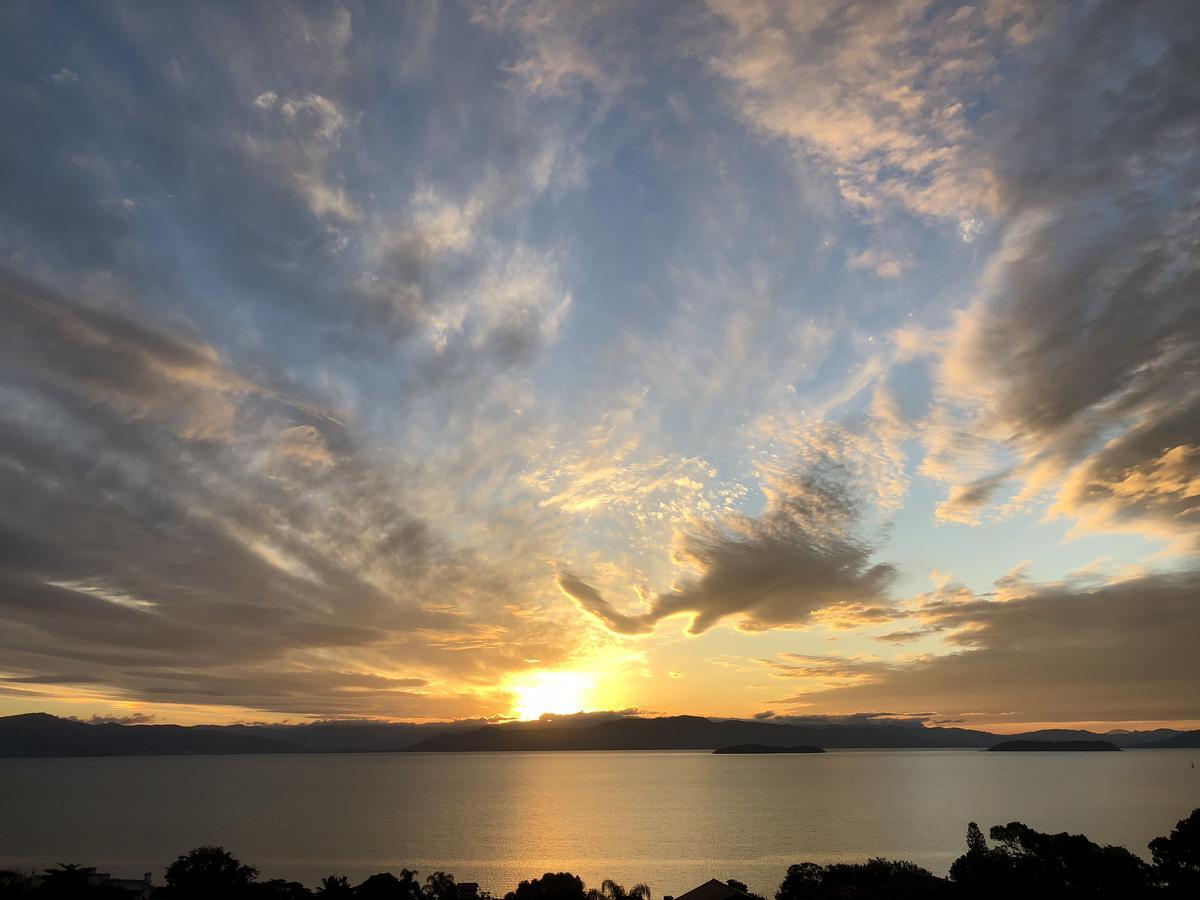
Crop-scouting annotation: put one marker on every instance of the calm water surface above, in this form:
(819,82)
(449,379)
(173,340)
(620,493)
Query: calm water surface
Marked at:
(670,819)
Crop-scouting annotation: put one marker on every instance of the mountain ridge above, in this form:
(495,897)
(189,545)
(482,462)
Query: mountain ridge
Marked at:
(42,734)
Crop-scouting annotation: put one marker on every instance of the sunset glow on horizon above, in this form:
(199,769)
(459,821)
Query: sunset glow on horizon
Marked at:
(551,693)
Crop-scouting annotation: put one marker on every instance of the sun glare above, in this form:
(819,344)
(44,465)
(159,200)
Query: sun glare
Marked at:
(550,692)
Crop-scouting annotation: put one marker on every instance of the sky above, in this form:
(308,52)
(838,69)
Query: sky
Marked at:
(478,360)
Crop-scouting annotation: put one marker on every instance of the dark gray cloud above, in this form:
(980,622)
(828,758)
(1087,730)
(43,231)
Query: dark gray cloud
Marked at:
(916,720)
(1124,651)
(966,500)
(1085,353)
(131,719)
(799,558)
(177,531)
(590,601)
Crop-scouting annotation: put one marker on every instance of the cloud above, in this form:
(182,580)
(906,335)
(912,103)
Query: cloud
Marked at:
(134,370)
(796,562)
(589,600)
(131,719)
(826,671)
(872,91)
(306,150)
(314,112)
(882,263)
(966,500)
(305,444)
(565,46)
(852,719)
(1045,653)
(52,679)
(179,533)
(902,637)
(1079,356)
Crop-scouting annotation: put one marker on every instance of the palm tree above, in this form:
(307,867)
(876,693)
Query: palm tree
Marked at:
(335,887)
(610,890)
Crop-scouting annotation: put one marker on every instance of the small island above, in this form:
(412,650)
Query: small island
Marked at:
(766,748)
(1055,745)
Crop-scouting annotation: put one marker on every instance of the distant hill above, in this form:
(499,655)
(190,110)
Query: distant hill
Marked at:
(1124,739)
(350,737)
(696,733)
(766,748)
(1056,745)
(40,734)
(1179,740)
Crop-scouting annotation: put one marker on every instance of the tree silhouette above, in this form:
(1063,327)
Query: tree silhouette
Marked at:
(386,886)
(208,872)
(279,889)
(1177,858)
(440,886)
(1030,863)
(803,880)
(15,885)
(65,881)
(976,842)
(551,886)
(335,887)
(610,890)
(980,869)
(1020,862)
(896,880)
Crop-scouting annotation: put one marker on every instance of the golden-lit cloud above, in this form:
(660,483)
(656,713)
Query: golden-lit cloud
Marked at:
(798,560)
(872,91)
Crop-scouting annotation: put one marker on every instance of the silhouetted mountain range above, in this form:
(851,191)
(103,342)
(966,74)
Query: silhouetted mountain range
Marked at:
(1180,739)
(40,734)
(694,733)
(752,749)
(350,737)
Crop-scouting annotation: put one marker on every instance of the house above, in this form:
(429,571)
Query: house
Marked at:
(135,888)
(712,890)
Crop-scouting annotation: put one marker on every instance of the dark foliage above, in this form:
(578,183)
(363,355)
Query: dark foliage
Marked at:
(897,880)
(335,887)
(278,889)
(1030,863)
(1022,863)
(611,890)
(1177,858)
(208,872)
(551,886)
(15,886)
(386,886)
(440,886)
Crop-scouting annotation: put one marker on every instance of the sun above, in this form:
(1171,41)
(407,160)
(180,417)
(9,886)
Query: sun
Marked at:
(550,692)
